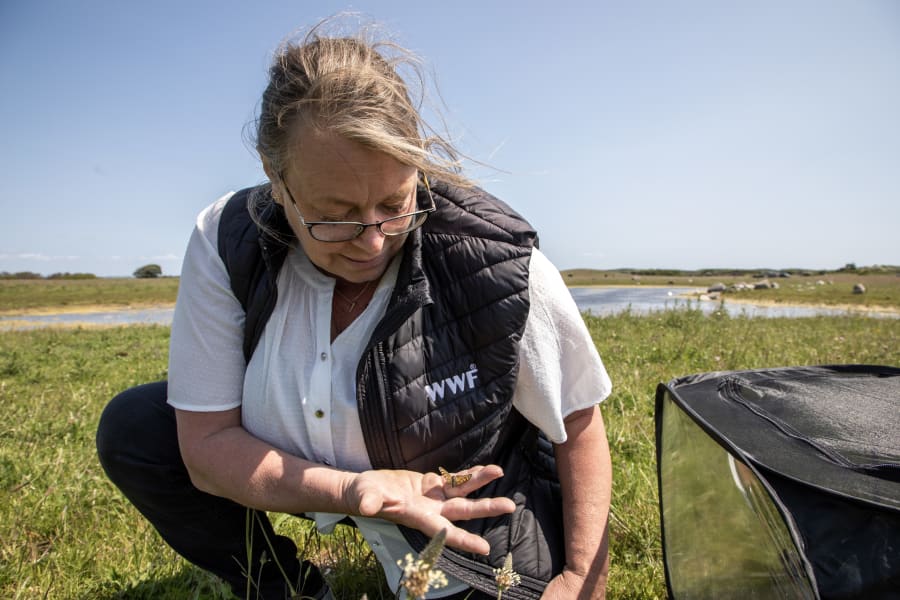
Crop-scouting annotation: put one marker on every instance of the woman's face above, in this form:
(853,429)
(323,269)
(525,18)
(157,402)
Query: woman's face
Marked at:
(335,179)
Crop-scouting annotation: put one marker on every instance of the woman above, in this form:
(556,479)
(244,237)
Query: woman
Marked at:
(369,336)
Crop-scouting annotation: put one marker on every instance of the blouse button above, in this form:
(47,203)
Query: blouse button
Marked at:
(320,413)
(324,356)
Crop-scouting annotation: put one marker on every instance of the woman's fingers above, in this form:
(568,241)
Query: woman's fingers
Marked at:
(457,538)
(464,509)
(463,483)
(460,539)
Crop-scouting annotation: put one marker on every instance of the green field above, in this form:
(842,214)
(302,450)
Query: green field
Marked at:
(833,288)
(66,532)
(24,295)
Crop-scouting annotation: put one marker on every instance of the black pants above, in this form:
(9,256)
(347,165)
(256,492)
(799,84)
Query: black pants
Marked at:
(138,448)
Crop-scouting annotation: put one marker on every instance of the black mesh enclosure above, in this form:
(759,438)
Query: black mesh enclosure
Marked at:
(781,483)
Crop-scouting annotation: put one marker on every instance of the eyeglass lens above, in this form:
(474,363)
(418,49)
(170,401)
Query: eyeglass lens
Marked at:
(337,232)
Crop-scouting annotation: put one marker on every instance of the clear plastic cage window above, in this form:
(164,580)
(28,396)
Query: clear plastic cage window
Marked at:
(723,533)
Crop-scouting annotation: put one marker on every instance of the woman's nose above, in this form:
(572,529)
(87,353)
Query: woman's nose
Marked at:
(371,239)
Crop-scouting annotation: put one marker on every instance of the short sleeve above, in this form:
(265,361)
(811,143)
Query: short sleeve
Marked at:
(206,360)
(560,370)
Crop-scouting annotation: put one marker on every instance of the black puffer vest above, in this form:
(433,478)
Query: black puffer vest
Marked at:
(435,383)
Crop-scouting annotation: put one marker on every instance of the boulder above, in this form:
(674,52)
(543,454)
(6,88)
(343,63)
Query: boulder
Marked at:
(716,287)
(762,285)
(859,289)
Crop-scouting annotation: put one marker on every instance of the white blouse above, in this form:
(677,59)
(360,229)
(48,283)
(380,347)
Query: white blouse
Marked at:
(298,392)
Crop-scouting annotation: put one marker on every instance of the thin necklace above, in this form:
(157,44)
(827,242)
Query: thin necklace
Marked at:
(351,302)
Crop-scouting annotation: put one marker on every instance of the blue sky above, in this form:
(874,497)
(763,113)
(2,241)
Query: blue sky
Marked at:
(661,134)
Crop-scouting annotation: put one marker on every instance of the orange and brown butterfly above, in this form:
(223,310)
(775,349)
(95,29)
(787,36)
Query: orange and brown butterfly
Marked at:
(453,479)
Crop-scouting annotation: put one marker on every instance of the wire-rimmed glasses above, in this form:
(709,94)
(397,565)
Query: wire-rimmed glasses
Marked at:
(344,231)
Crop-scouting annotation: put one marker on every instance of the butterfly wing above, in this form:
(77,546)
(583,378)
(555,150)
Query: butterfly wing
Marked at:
(460,479)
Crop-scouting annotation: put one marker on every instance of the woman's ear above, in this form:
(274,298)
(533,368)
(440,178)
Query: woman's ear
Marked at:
(267,167)
(277,192)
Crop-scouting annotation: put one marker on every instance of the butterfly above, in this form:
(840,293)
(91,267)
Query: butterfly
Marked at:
(453,479)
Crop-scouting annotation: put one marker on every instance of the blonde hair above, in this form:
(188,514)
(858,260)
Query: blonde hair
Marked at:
(351,85)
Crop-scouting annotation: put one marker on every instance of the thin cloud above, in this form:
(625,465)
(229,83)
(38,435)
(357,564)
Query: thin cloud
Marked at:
(37,256)
(117,257)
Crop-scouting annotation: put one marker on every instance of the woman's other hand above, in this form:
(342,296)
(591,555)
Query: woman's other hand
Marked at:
(568,585)
(426,502)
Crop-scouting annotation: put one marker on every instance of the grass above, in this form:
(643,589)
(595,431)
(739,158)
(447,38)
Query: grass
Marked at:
(66,532)
(19,295)
(833,290)
(643,351)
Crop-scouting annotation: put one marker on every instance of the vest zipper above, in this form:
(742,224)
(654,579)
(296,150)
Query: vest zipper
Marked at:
(371,413)
(376,414)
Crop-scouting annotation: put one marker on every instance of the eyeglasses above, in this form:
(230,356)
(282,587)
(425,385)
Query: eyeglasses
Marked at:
(344,231)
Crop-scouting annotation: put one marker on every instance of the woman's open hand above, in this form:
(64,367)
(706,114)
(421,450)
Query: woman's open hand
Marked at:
(424,501)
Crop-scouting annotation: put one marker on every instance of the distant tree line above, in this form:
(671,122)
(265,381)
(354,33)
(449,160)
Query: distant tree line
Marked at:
(847,268)
(144,272)
(32,275)
(870,269)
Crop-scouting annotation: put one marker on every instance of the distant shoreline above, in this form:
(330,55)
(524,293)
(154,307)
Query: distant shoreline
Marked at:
(695,295)
(85,308)
(748,299)
(637,285)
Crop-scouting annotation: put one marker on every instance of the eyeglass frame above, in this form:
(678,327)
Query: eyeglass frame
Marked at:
(361,227)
